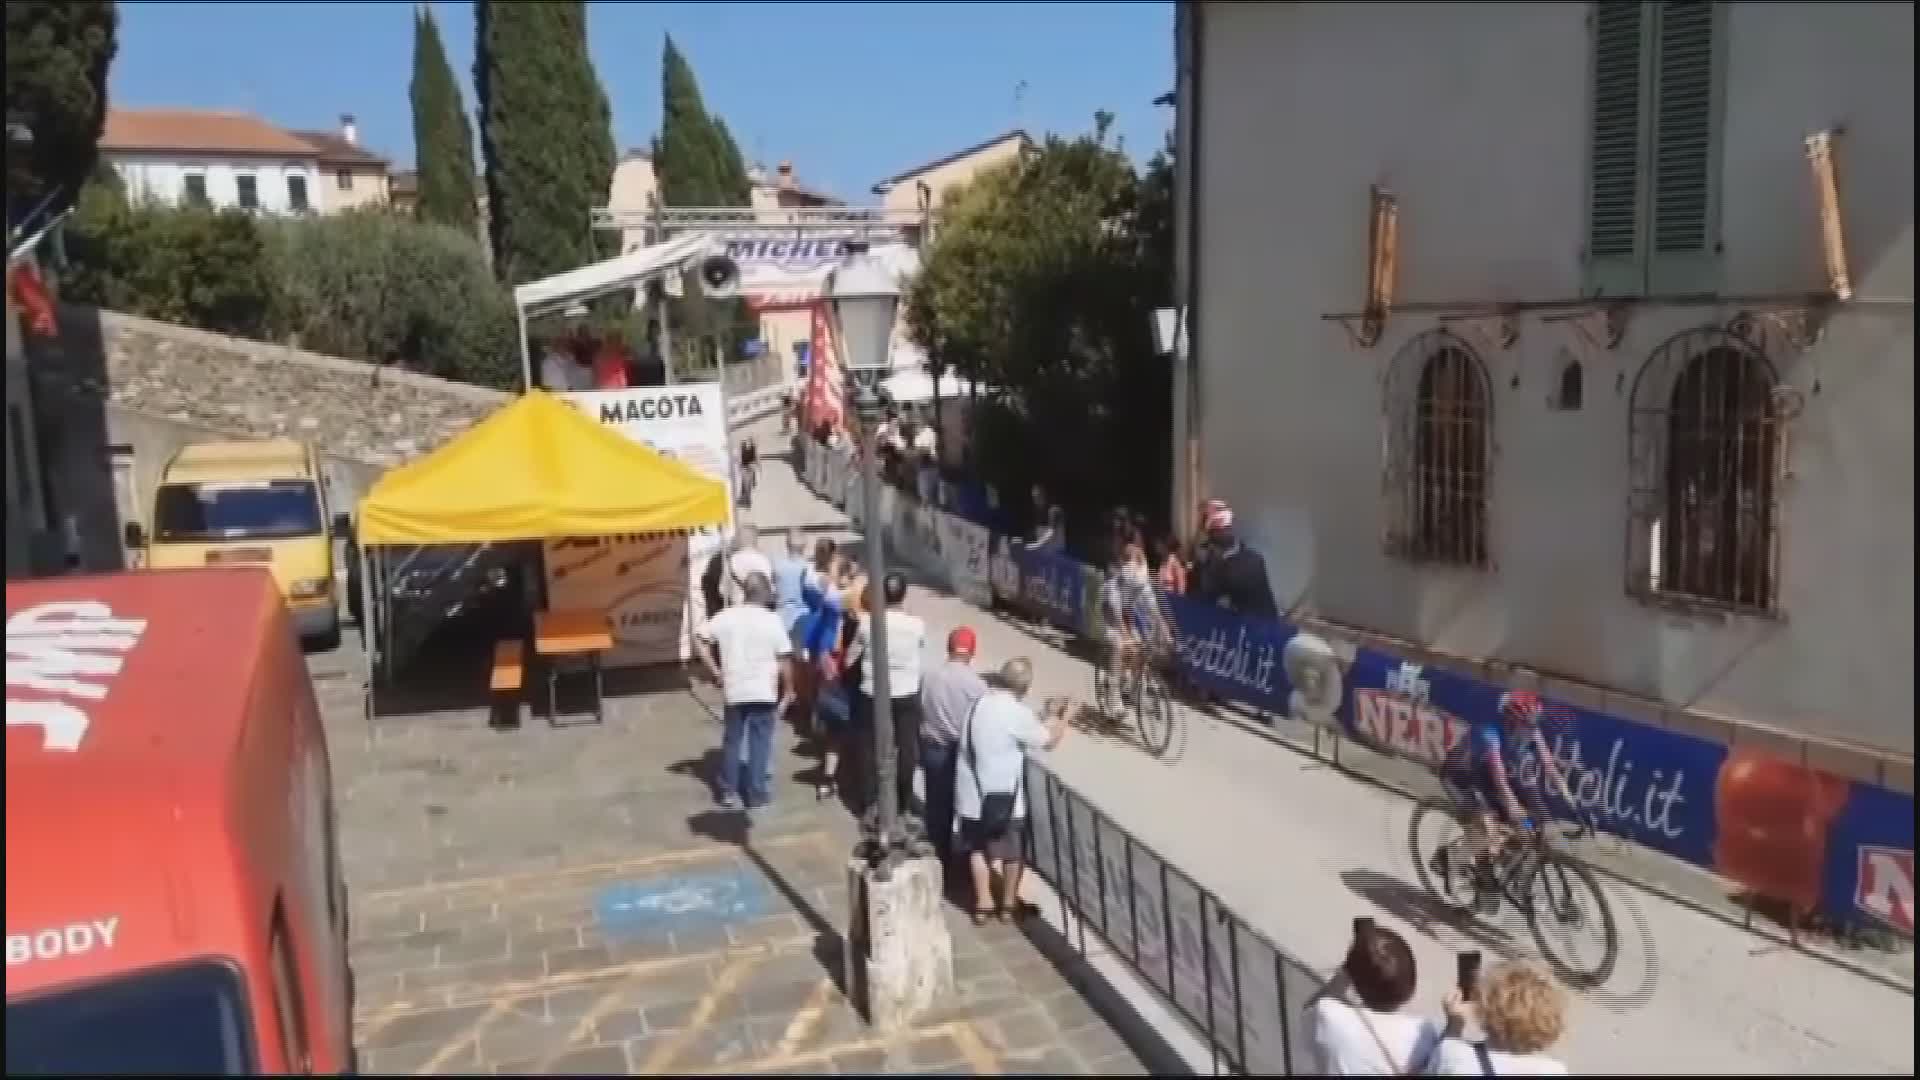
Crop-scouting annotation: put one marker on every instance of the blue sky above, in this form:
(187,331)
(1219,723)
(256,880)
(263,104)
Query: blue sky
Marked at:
(850,92)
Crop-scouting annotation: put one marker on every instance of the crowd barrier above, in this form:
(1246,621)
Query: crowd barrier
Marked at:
(1782,830)
(1241,993)
(748,407)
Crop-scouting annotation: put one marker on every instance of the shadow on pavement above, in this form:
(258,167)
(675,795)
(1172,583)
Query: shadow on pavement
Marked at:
(1415,906)
(736,827)
(1135,1030)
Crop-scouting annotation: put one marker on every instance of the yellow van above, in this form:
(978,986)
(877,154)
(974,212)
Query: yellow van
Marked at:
(254,502)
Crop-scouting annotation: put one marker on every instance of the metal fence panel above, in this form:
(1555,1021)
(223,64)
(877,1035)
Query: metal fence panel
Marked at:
(1226,980)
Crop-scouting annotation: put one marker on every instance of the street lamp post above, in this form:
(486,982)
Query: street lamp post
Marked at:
(865,300)
(899,955)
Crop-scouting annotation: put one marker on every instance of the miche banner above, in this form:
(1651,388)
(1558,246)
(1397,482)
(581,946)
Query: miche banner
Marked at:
(646,581)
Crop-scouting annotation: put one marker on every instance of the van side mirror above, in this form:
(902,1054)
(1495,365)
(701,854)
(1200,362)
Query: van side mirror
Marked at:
(342,523)
(135,536)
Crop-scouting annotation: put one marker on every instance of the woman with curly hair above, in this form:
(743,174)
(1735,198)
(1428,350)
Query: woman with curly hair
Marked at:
(1522,1013)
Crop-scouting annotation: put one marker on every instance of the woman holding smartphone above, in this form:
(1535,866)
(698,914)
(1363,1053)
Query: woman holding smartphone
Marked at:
(1355,1021)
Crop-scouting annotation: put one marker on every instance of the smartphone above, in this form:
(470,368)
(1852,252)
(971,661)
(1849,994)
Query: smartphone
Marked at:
(1362,925)
(1469,973)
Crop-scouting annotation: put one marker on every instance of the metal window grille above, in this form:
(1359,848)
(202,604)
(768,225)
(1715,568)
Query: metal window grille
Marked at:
(1439,402)
(1705,475)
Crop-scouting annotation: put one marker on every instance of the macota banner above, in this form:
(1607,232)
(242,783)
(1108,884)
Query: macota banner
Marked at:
(645,582)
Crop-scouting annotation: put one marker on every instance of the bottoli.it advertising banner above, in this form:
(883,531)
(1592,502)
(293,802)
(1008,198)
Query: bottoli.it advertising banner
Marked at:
(647,582)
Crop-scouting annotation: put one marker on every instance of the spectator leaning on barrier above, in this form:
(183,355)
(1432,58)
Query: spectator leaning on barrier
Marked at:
(1522,1013)
(1234,575)
(1371,1037)
(745,649)
(989,785)
(906,641)
(948,693)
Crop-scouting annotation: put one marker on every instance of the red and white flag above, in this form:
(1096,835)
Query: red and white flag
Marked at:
(30,294)
(826,385)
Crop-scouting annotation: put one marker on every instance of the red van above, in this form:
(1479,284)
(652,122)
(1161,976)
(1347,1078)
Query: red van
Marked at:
(174,898)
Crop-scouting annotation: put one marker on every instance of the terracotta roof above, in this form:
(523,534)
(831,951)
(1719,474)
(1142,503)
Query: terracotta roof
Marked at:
(335,150)
(199,130)
(881,187)
(405,183)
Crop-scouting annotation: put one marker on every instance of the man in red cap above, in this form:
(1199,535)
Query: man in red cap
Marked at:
(948,694)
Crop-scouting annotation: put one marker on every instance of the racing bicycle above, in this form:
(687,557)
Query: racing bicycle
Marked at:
(1140,687)
(1558,895)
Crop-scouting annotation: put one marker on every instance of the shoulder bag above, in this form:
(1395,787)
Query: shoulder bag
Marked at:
(996,808)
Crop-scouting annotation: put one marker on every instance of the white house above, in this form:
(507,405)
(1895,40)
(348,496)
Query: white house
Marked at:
(1571,336)
(221,159)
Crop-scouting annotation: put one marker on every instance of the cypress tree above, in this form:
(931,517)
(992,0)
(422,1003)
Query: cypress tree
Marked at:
(546,132)
(697,164)
(442,135)
(57,60)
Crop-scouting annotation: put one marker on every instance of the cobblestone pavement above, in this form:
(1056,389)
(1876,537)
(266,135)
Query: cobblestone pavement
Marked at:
(566,900)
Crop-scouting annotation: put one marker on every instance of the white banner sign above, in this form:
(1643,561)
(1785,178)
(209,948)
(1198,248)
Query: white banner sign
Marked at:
(966,549)
(647,582)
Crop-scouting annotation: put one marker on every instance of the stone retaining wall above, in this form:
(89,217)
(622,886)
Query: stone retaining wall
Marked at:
(354,410)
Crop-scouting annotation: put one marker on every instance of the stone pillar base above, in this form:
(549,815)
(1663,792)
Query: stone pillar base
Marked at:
(899,960)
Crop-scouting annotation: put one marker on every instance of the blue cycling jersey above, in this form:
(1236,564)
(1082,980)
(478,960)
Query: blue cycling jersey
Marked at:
(1485,741)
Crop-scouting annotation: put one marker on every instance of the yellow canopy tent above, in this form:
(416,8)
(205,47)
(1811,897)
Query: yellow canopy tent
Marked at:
(537,469)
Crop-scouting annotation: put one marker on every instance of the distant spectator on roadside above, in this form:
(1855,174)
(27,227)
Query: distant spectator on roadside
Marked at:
(746,560)
(989,785)
(1523,1015)
(1354,1021)
(1234,575)
(1171,570)
(948,693)
(906,641)
(610,364)
(1037,505)
(745,649)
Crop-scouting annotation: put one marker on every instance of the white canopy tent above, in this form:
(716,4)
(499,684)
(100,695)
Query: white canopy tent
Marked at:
(618,274)
(914,387)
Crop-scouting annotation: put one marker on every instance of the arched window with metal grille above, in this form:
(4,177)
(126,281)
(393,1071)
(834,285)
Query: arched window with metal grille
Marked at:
(1704,514)
(1439,404)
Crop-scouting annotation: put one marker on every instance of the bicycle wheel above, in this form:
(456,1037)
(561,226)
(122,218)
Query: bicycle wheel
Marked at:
(1572,922)
(1153,713)
(1441,857)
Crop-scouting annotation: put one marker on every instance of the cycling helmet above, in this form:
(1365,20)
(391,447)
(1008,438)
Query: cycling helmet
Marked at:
(1520,707)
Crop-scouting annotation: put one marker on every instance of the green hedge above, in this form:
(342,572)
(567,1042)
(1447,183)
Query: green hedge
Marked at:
(366,285)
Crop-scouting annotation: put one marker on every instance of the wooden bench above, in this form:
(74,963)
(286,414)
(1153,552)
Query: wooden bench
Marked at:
(508,677)
(509,665)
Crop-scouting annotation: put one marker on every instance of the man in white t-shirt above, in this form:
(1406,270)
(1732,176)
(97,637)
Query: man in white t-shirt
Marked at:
(906,646)
(1370,1036)
(745,648)
(926,462)
(746,560)
(995,739)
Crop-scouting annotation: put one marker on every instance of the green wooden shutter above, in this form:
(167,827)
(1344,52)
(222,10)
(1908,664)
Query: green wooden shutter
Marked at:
(1684,159)
(1616,149)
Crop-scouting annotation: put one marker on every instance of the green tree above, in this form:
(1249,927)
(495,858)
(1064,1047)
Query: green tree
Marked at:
(1041,283)
(187,265)
(546,132)
(697,163)
(442,135)
(368,286)
(58,54)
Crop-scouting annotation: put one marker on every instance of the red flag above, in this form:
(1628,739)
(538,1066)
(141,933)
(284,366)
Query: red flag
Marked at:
(30,295)
(825,386)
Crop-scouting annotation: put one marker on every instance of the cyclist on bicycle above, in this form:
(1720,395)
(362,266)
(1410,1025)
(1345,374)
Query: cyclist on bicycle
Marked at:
(1136,627)
(1477,774)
